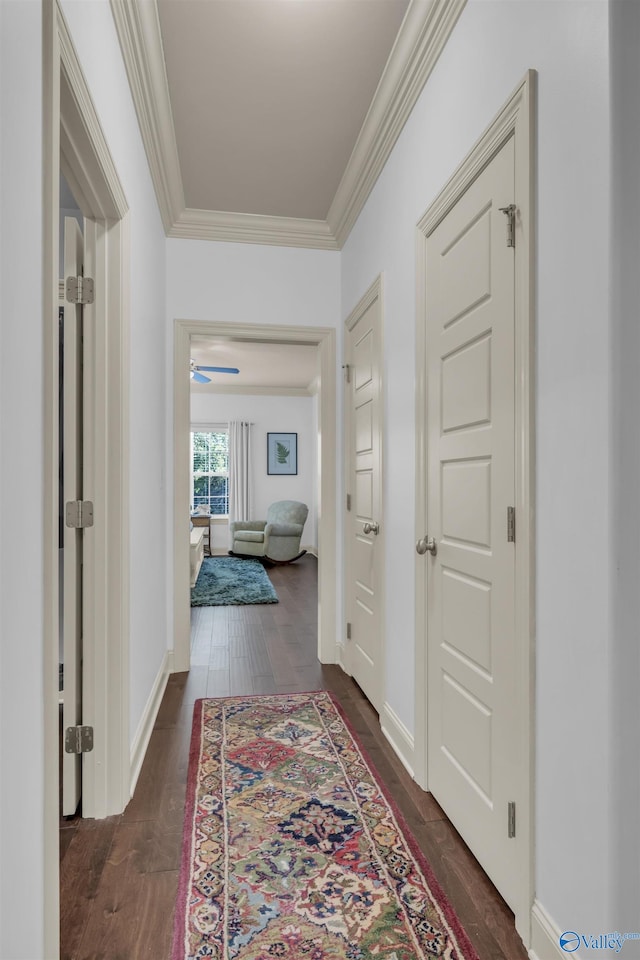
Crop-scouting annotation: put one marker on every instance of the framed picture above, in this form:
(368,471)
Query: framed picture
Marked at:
(282,453)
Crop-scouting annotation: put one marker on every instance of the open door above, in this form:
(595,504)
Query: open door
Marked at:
(71,452)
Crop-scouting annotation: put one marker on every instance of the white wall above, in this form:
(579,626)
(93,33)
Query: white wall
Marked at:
(268,414)
(21,427)
(492,46)
(249,283)
(625,289)
(93,32)
(21,489)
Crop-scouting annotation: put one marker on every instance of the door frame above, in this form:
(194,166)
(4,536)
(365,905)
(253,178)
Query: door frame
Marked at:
(375,292)
(74,141)
(325,339)
(517,120)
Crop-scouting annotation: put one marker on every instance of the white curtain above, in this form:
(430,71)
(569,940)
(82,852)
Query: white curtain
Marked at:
(239,470)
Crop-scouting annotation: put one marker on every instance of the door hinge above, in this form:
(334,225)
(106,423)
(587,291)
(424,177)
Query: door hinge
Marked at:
(510,214)
(348,501)
(511,524)
(347,372)
(79,290)
(348,631)
(511,818)
(79,514)
(78,739)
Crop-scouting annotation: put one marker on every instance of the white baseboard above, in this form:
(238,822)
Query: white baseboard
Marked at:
(398,736)
(341,657)
(148,718)
(545,936)
(310,549)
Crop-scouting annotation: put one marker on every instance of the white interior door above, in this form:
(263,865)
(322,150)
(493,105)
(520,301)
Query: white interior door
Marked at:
(365,552)
(72,427)
(471,711)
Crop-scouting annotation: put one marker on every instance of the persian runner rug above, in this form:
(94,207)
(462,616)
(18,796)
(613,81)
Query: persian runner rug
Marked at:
(292,848)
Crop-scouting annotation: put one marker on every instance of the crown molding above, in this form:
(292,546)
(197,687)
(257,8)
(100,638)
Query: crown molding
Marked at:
(249,391)
(253,228)
(423,34)
(138,29)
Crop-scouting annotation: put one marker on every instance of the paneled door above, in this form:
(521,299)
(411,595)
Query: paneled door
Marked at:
(469,554)
(364,524)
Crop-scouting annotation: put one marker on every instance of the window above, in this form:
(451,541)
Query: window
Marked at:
(210,470)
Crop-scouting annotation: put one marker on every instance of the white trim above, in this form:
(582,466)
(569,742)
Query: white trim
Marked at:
(342,658)
(502,127)
(204,388)
(148,719)
(310,549)
(515,119)
(422,36)
(373,293)
(51,202)
(325,338)
(545,936)
(201,426)
(87,161)
(74,139)
(399,736)
(253,228)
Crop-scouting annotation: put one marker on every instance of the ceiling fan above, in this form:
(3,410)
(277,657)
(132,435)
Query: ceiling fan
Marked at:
(195,374)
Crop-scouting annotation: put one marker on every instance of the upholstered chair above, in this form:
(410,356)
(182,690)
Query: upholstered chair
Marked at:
(277,538)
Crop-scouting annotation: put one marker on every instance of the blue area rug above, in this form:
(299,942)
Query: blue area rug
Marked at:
(225,581)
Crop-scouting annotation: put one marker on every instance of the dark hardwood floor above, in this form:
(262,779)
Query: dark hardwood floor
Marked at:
(119,876)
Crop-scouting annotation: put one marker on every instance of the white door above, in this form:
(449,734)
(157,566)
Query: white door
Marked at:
(365,552)
(471,711)
(71,442)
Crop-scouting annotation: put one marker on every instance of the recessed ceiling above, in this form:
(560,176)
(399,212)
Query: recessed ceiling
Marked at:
(268,96)
(264,367)
(269,121)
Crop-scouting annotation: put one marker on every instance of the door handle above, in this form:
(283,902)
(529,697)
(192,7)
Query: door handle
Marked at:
(371,528)
(427,545)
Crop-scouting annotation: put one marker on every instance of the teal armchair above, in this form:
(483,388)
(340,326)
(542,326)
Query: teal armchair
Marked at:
(277,538)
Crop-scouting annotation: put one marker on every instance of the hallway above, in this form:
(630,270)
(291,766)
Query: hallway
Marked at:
(119,876)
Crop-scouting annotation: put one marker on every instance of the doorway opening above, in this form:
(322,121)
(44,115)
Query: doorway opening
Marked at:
(74,145)
(71,318)
(186,335)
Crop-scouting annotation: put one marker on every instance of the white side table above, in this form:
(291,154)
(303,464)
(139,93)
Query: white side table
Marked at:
(200,520)
(196,553)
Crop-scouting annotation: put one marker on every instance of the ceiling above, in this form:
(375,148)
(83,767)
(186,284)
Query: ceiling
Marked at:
(268,96)
(269,121)
(264,367)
